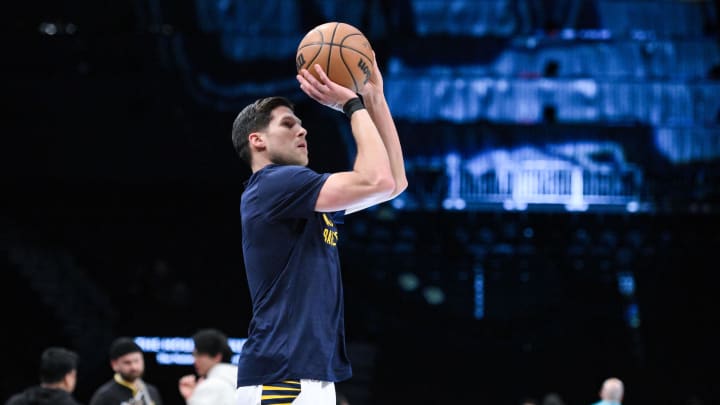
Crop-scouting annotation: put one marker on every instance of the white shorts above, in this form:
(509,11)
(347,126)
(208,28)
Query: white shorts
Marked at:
(312,392)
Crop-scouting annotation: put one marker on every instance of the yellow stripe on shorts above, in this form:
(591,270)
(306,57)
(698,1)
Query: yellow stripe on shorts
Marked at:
(280,393)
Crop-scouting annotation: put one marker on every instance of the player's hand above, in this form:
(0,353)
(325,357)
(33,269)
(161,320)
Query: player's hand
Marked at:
(374,85)
(324,90)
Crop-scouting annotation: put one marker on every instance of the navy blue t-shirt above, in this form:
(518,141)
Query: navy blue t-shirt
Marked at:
(293,271)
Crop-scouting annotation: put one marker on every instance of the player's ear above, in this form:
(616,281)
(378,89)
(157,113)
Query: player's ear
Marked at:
(256,139)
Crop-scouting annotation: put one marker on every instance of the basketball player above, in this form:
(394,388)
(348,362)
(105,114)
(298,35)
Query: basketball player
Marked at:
(296,350)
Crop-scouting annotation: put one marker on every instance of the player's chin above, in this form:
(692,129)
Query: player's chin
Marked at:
(300,159)
(304,152)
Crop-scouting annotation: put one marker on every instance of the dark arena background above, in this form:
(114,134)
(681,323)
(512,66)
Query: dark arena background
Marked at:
(560,226)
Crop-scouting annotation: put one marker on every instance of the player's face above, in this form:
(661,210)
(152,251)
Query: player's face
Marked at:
(285,138)
(130,366)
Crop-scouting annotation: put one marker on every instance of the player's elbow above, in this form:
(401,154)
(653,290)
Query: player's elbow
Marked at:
(378,185)
(384,186)
(400,186)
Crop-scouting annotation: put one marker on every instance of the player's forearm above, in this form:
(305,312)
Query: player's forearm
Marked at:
(372,161)
(380,113)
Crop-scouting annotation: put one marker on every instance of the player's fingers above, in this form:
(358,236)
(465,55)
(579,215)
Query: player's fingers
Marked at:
(324,79)
(309,78)
(309,89)
(307,81)
(320,72)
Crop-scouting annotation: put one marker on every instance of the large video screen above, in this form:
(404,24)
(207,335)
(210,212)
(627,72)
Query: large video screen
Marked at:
(625,168)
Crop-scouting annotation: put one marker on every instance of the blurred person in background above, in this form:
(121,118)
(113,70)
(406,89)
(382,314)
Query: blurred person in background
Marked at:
(611,392)
(127,386)
(58,377)
(216,378)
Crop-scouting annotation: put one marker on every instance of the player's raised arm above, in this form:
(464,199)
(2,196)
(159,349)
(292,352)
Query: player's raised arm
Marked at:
(371,179)
(374,98)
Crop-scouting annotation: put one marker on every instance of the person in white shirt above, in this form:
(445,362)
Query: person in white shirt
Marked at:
(216,378)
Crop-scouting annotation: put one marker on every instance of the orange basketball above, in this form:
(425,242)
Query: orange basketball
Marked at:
(341,49)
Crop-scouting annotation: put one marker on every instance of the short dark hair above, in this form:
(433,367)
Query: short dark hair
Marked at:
(254,117)
(55,363)
(122,346)
(211,342)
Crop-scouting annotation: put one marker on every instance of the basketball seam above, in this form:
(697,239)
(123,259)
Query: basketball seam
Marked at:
(321,43)
(329,55)
(342,57)
(337,45)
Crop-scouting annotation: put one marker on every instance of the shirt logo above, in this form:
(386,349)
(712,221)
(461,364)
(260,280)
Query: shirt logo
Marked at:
(330,235)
